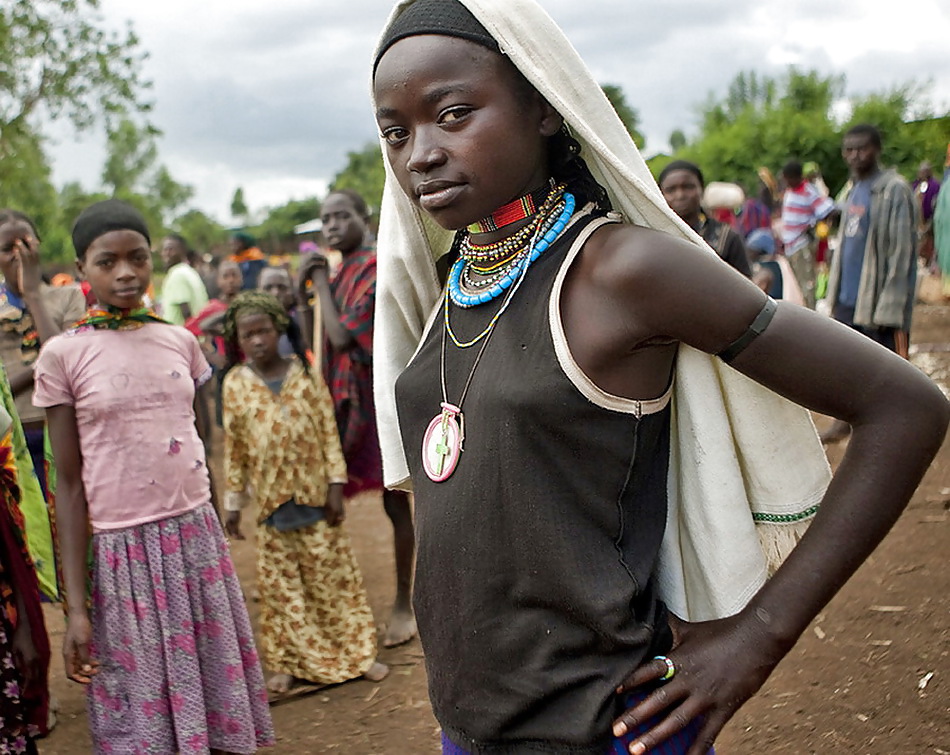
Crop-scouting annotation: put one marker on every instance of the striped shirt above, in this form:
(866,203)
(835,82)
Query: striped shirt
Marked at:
(802,208)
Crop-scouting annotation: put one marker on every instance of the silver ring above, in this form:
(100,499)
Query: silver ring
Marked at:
(670,668)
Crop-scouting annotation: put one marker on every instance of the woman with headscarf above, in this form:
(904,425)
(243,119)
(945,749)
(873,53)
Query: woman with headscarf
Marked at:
(571,596)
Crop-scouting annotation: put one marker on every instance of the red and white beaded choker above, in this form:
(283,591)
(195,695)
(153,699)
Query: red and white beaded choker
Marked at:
(519,209)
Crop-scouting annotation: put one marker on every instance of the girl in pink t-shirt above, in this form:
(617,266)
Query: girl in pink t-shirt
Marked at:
(163,642)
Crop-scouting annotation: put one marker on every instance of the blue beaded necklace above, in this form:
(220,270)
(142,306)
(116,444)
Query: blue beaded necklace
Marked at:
(534,250)
(445,434)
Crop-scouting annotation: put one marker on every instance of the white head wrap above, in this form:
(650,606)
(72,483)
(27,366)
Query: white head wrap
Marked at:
(738,450)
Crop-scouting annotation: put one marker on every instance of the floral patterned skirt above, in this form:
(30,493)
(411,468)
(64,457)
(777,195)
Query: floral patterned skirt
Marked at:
(179,670)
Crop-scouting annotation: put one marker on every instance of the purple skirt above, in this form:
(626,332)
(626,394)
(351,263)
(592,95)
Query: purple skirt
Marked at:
(178,670)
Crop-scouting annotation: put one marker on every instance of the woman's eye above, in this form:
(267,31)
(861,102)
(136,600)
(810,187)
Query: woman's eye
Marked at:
(454,114)
(394,135)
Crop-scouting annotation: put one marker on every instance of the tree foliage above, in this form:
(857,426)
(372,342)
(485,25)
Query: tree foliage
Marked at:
(55,55)
(365,174)
(764,121)
(277,229)
(238,205)
(627,113)
(202,232)
(59,62)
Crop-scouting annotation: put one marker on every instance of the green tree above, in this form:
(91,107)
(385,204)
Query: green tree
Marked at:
(130,157)
(55,56)
(57,59)
(202,232)
(238,205)
(278,226)
(677,140)
(765,121)
(25,180)
(132,172)
(365,174)
(627,113)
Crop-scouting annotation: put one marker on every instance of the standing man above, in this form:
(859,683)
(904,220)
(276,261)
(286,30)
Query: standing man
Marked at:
(874,272)
(682,185)
(248,257)
(803,206)
(183,292)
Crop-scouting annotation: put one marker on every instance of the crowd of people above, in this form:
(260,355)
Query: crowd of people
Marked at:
(510,349)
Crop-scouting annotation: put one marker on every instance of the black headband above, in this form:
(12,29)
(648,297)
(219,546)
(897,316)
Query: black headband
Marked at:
(103,217)
(681,165)
(448,18)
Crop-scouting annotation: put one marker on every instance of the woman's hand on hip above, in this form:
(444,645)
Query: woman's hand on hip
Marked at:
(716,667)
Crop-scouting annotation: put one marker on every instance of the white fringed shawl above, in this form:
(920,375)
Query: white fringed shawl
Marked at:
(746,471)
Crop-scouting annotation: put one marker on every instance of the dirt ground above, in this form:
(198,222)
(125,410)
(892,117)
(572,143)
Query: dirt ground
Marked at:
(871,675)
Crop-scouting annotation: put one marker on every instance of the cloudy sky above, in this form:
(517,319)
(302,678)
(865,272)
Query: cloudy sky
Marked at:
(270,96)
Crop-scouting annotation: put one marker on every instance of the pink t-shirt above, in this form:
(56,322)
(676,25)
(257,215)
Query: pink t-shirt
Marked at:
(133,392)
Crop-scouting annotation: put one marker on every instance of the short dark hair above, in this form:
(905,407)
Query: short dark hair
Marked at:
(11,216)
(359,204)
(792,170)
(681,165)
(866,129)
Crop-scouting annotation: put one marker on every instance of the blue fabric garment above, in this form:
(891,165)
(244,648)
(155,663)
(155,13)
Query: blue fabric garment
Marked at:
(291,515)
(856,220)
(678,744)
(13,299)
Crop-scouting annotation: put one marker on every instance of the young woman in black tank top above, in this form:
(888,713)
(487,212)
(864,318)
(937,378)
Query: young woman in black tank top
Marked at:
(535,596)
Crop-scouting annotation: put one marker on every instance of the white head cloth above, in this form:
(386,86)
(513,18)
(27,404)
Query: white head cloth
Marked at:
(737,449)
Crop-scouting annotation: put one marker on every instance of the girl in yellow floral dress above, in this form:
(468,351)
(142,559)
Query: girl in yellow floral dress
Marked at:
(282,450)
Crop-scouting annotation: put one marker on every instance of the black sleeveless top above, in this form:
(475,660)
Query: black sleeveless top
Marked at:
(534,589)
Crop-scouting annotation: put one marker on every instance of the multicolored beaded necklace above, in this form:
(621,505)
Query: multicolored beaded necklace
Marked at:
(443,438)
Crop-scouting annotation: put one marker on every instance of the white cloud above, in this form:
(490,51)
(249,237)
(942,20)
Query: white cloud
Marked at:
(270,96)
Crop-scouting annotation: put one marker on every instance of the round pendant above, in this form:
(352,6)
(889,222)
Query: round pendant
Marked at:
(442,443)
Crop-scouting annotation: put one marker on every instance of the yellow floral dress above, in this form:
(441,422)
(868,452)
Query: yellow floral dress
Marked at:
(315,620)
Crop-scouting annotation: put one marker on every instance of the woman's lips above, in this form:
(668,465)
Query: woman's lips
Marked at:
(438,198)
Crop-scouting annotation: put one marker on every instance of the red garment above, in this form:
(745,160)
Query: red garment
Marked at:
(25,713)
(193,324)
(349,373)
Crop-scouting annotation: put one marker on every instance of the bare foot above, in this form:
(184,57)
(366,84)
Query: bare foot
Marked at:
(838,431)
(280,684)
(401,629)
(377,672)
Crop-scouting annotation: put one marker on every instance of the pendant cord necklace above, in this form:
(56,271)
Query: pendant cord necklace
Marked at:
(443,439)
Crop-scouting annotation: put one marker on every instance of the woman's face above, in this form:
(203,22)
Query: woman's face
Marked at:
(683,192)
(343,227)
(118,267)
(463,134)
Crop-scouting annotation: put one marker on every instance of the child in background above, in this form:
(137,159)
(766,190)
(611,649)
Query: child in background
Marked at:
(164,645)
(281,441)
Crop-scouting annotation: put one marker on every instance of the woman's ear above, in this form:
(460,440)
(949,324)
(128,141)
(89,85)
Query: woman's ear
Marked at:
(551,120)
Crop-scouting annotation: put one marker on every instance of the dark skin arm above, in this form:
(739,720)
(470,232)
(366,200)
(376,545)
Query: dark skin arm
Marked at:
(203,426)
(25,657)
(185,310)
(73,527)
(334,507)
(634,289)
(317,269)
(30,280)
